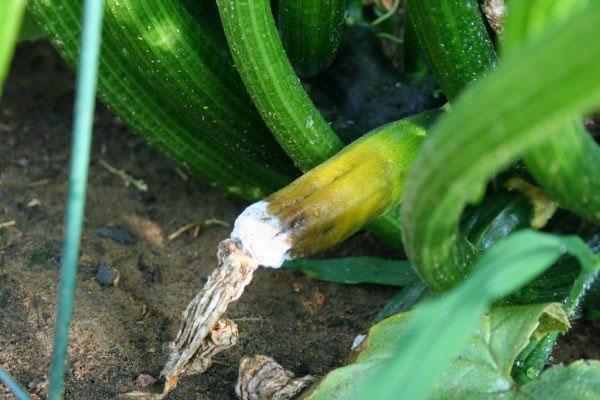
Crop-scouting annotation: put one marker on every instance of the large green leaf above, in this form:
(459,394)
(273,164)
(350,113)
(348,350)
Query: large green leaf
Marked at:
(577,381)
(437,331)
(484,365)
(11,13)
(482,368)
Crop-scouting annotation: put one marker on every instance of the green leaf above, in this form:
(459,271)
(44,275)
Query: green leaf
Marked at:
(404,300)
(482,367)
(11,14)
(357,270)
(577,381)
(436,331)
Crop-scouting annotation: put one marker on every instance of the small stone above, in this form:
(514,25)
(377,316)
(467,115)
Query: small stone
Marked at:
(117,234)
(107,276)
(39,385)
(144,380)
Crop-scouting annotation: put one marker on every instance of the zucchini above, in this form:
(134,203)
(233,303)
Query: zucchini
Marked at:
(162,75)
(280,97)
(566,165)
(453,36)
(311,31)
(463,152)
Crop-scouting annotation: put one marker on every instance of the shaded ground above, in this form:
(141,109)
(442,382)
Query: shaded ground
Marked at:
(120,332)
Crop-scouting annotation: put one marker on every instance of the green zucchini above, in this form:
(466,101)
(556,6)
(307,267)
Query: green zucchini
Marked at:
(566,165)
(459,55)
(441,183)
(453,36)
(163,76)
(280,97)
(311,31)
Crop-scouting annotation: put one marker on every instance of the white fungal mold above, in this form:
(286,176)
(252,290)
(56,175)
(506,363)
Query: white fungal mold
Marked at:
(262,235)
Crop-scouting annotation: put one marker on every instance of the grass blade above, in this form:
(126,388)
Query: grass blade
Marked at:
(13,385)
(85,99)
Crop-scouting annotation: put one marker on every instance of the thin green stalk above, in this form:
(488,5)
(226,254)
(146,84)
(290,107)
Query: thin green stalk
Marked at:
(12,385)
(311,31)
(85,99)
(11,14)
(280,97)
(169,110)
(442,184)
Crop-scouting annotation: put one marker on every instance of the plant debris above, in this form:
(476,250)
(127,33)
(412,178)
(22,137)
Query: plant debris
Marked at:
(494,11)
(197,226)
(262,378)
(8,224)
(202,334)
(128,180)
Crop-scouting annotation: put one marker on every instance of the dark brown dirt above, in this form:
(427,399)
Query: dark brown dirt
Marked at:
(120,332)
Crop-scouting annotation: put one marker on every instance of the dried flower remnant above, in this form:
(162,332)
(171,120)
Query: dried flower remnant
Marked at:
(262,378)
(201,327)
(494,11)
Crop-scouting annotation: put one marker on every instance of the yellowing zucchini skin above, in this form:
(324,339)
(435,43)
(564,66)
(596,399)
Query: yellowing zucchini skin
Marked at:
(280,97)
(311,31)
(337,198)
(161,72)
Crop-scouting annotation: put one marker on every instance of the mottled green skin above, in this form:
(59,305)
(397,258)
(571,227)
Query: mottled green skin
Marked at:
(280,97)
(311,31)
(453,36)
(465,150)
(164,76)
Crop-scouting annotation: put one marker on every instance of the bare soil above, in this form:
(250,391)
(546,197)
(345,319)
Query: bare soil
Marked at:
(119,332)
